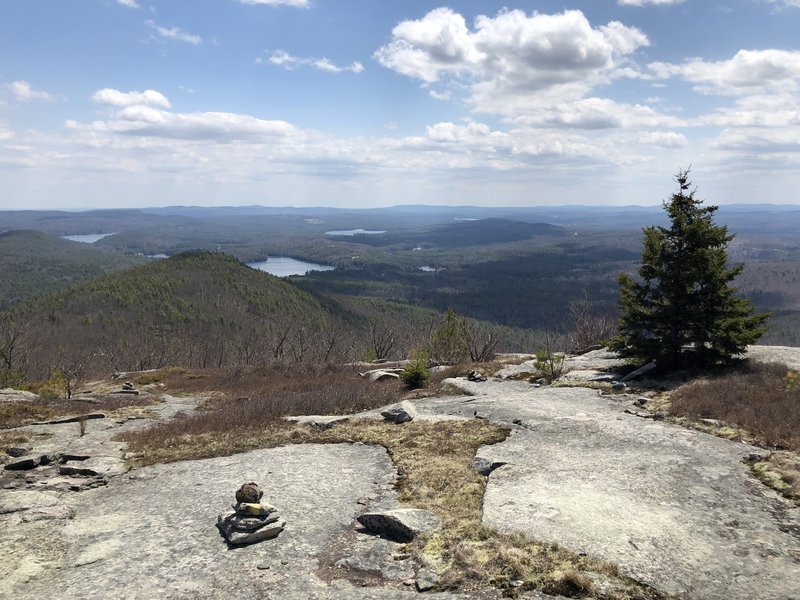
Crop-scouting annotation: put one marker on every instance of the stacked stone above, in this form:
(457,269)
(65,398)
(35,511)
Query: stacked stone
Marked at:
(250,520)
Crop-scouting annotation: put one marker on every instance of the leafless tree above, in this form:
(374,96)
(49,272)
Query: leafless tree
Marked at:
(590,325)
(482,339)
(382,337)
(14,349)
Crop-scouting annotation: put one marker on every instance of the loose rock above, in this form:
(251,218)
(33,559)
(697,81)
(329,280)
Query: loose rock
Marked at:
(400,413)
(426,580)
(400,525)
(249,492)
(16,452)
(485,466)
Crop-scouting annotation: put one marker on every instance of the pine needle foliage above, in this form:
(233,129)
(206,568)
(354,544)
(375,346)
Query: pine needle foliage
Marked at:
(682,310)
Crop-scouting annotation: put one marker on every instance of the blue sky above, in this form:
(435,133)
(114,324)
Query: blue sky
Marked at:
(122,103)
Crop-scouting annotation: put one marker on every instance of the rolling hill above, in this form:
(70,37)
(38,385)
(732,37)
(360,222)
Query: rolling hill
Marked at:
(33,263)
(195,309)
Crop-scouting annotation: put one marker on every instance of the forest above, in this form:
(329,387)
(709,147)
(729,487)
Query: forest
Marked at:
(512,275)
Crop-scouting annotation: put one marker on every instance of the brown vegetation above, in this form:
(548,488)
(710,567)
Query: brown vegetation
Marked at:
(755,398)
(759,404)
(17,414)
(247,407)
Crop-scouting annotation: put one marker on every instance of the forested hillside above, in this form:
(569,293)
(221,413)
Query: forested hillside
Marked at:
(34,264)
(203,309)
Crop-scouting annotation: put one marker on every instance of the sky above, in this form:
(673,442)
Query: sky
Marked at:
(361,103)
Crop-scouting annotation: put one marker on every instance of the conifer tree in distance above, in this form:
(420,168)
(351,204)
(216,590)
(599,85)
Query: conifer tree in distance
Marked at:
(682,310)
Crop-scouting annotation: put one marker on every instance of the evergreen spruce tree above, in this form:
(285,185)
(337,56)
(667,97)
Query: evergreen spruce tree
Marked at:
(682,310)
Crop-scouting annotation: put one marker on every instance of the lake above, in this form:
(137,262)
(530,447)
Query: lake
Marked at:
(352,232)
(89,238)
(283,266)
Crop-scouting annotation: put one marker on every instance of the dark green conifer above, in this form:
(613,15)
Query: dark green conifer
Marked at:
(682,310)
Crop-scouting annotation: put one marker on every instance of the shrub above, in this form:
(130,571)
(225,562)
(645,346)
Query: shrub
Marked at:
(416,372)
(549,364)
(756,398)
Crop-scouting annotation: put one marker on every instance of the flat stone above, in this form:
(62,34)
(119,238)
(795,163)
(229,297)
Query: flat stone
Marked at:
(400,413)
(26,464)
(24,500)
(98,466)
(401,524)
(239,538)
(253,509)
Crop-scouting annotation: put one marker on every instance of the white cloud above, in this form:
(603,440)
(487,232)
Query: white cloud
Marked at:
(295,3)
(129,3)
(111,97)
(786,3)
(768,110)
(142,114)
(5,131)
(599,113)
(175,33)
(23,92)
(748,72)
(648,2)
(283,59)
(664,139)
(512,62)
(443,95)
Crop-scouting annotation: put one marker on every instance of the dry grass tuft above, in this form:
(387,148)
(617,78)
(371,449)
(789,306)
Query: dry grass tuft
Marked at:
(17,414)
(755,398)
(781,472)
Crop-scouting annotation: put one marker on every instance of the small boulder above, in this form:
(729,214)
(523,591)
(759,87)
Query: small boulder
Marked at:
(401,524)
(249,493)
(400,413)
(16,451)
(485,466)
(382,375)
(639,372)
(426,580)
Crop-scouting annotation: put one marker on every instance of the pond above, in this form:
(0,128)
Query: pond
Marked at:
(283,266)
(352,232)
(89,238)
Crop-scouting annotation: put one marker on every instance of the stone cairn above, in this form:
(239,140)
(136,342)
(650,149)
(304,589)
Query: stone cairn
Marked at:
(250,520)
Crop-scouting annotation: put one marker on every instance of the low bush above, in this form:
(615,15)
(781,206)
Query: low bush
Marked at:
(416,372)
(759,398)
